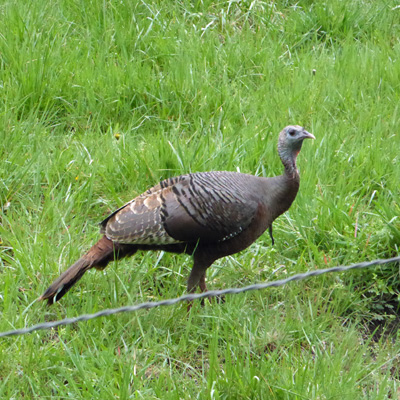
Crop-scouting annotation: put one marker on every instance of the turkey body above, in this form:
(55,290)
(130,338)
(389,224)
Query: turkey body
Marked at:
(207,214)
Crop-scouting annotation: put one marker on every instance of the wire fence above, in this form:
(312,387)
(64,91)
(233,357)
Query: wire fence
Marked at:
(191,297)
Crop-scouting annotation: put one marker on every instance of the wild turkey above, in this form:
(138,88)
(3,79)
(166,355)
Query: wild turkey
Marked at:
(207,214)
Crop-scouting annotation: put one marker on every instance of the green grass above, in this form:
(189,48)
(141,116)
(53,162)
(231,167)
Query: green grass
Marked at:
(100,100)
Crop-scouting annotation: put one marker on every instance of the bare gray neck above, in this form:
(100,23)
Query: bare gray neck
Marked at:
(288,157)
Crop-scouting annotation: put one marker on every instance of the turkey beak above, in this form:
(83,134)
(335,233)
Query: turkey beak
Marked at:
(308,135)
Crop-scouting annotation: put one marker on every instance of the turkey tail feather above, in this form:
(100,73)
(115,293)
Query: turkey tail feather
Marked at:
(66,280)
(98,256)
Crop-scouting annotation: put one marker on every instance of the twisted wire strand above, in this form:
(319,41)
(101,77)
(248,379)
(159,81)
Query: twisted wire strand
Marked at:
(190,297)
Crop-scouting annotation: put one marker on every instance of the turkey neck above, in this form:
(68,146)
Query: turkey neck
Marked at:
(282,190)
(288,157)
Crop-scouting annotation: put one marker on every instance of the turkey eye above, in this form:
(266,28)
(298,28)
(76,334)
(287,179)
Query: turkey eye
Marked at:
(292,132)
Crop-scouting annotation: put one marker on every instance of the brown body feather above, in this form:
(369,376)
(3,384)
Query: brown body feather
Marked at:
(209,215)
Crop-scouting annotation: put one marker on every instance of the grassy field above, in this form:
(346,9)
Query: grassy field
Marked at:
(99,100)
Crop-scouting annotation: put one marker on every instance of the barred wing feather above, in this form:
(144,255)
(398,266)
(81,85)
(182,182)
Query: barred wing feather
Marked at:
(210,206)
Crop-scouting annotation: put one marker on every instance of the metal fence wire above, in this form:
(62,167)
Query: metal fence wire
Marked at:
(190,297)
